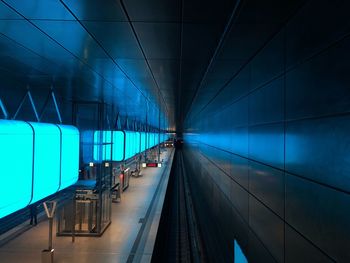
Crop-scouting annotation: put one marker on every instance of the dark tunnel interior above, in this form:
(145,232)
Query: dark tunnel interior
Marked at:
(259,92)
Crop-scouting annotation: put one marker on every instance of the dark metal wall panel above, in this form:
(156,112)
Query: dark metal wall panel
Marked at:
(257,251)
(267,184)
(320,86)
(268,227)
(283,116)
(240,200)
(269,62)
(240,170)
(306,35)
(298,249)
(320,214)
(266,105)
(318,149)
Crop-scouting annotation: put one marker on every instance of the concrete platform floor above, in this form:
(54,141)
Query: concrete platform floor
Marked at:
(116,243)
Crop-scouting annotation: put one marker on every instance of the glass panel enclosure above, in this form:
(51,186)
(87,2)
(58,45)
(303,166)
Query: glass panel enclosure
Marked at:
(89,211)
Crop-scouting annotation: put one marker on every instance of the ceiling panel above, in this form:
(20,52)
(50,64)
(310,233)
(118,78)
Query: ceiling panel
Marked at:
(154,10)
(200,11)
(25,34)
(41,9)
(96,10)
(134,67)
(95,58)
(163,68)
(116,37)
(81,45)
(245,39)
(200,40)
(7,13)
(159,40)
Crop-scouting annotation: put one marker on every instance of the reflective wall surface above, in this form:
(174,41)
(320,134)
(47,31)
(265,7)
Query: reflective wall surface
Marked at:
(269,150)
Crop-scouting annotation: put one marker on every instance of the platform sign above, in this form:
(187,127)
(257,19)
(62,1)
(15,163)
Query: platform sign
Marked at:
(151,165)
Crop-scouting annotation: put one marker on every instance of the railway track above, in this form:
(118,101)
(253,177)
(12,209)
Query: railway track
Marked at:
(178,238)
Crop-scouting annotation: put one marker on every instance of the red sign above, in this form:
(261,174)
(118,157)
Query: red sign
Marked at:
(152,164)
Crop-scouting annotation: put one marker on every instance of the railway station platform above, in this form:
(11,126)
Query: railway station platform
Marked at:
(129,238)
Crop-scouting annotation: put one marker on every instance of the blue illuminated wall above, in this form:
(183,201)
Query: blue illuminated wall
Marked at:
(37,160)
(270,153)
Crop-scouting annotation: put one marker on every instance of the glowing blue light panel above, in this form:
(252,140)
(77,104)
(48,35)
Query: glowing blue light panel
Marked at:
(16,140)
(118,146)
(46,160)
(137,142)
(151,140)
(156,138)
(125,144)
(69,155)
(49,160)
(102,145)
(126,149)
(143,141)
(129,144)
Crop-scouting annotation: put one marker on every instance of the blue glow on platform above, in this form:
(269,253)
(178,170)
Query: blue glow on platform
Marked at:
(16,140)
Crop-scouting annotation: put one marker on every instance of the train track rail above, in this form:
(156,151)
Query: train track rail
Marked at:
(178,238)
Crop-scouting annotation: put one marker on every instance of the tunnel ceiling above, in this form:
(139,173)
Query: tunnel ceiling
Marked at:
(173,55)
